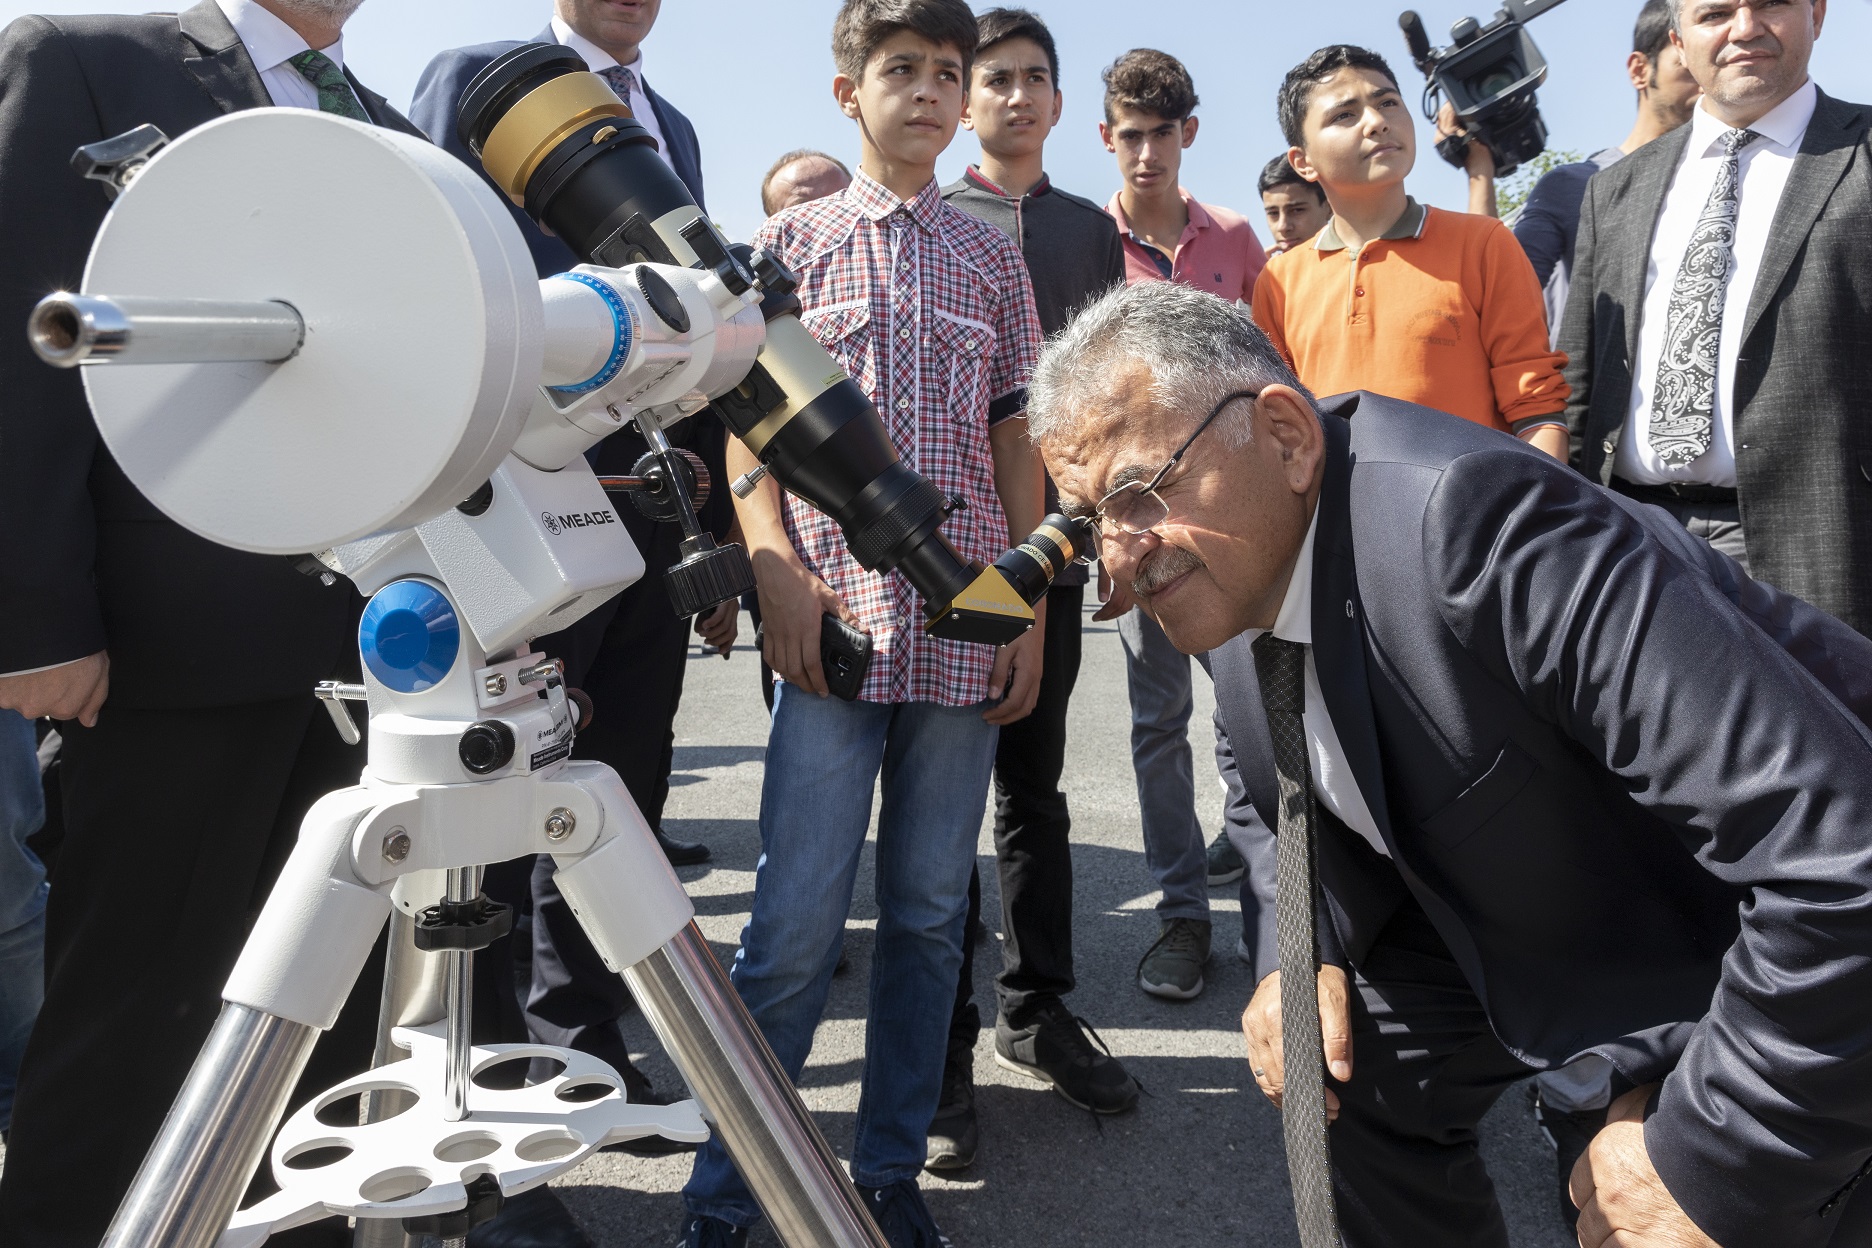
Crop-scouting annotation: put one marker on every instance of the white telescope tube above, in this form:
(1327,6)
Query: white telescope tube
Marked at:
(68,330)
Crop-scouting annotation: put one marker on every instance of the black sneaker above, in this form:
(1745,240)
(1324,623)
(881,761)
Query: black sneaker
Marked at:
(901,1214)
(1226,864)
(1569,1135)
(1053,1049)
(711,1233)
(953,1134)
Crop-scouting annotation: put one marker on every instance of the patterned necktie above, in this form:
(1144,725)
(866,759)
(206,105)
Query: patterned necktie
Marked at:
(1281,666)
(622,80)
(1683,402)
(334,89)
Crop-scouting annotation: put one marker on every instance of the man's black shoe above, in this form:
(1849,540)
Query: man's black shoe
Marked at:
(1570,1134)
(1051,1047)
(682,853)
(533,1219)
(953,1134)
(899,1212)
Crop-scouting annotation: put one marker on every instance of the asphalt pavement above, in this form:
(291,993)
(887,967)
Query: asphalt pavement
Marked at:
(1198,1163)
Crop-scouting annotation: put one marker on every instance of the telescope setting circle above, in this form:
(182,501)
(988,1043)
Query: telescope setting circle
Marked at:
(422,331)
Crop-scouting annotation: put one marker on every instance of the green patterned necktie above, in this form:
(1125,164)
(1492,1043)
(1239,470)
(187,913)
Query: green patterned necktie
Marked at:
(334,89)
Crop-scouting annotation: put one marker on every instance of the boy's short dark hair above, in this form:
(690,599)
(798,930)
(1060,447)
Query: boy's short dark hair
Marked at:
(863,24)
(1000,25)
(1145,80)
(1652,33)
(1278,172)
(1296,90)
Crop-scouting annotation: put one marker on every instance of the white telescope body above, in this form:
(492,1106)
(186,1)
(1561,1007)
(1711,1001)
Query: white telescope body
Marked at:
(276,379)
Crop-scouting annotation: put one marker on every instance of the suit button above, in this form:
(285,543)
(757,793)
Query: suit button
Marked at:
(1608,446)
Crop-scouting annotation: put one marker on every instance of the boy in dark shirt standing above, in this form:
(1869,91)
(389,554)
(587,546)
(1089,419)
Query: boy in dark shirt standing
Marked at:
(1073,255)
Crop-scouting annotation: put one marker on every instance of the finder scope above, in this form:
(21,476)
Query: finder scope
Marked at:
(556,139)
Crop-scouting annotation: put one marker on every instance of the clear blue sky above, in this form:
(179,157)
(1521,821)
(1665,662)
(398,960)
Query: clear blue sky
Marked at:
(778,96)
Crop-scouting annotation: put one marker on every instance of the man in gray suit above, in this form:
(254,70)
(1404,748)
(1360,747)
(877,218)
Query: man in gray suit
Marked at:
(1717,324)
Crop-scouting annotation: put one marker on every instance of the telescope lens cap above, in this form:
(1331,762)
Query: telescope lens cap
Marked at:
(663,299)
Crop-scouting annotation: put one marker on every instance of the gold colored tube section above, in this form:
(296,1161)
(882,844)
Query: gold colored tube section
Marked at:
(537,123)
(800,367)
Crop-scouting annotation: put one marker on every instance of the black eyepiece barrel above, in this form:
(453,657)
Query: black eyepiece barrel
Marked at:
(559,142)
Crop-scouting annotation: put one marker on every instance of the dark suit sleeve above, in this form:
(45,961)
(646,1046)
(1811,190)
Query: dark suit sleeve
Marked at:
(1541,226)
(1576,331)
(438,92)
(1695,712)
(48,216)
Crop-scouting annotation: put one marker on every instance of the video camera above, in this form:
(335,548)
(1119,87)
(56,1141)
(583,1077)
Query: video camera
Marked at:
(1489,75)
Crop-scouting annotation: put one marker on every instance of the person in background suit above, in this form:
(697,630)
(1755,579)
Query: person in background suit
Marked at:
(630,654)
(1721,305)
(182,670)
(1567,778)
(801,176)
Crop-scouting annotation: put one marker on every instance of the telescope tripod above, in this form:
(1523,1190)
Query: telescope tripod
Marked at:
(430,1142)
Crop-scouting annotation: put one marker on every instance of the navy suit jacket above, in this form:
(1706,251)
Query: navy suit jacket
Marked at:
(441,88)
(1631,786)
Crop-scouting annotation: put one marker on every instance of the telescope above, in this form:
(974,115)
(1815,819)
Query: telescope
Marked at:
(409,407)
(1489,75)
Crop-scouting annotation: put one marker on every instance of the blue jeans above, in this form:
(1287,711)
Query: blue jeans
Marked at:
(823,757)
(22,900)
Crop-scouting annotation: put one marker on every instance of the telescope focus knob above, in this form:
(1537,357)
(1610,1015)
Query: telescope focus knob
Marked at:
(708,576)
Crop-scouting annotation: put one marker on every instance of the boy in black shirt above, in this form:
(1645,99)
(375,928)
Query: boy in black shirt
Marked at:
(1073,255)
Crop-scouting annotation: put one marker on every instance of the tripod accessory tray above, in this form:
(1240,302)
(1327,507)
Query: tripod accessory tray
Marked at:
(416,1163)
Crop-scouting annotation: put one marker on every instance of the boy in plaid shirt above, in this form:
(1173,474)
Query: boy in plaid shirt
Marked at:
(931,311)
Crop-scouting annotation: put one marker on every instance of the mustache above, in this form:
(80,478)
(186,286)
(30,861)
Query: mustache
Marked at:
(1168,563)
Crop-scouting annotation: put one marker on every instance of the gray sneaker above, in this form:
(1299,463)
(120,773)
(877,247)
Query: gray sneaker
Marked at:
(1225,864)
(1173,966)
(953,1134)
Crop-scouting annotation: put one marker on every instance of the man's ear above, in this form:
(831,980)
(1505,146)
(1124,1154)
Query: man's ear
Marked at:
(845,92)
(968,117)
(1105,137)
(1289,419)
(1189,131)
(1059,102)
(1638,70)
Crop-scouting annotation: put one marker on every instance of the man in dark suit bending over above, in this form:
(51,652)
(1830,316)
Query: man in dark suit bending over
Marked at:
(184,670)
(1562,778)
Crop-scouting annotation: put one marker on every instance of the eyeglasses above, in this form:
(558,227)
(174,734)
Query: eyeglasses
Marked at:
(1136,506)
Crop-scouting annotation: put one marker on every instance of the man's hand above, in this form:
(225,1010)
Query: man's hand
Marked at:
(791,601)
(69,691)
(1622,1202)
(1017,670)
(1115,599)
(719,628)
(1478,162)
(1261,1026)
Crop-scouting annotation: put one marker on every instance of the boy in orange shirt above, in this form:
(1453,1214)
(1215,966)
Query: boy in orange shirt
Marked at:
(1433,307)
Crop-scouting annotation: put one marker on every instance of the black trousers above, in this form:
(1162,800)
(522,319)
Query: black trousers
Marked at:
(176,825)
(629,656)
(1033,850)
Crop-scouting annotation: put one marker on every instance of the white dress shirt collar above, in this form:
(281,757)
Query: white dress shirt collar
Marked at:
(1294,621)
(1784,125)
(268,40)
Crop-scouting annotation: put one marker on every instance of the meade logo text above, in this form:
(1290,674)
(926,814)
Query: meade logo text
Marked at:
(575,520)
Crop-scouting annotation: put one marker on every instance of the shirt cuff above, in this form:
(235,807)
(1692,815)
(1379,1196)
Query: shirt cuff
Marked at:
(29,671)
(1008,406)
(1529,424)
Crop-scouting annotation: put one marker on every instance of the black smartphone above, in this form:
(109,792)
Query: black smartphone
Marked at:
(844,655)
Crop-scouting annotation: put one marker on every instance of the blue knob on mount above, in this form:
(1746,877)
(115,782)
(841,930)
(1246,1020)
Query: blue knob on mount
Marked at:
(409,636)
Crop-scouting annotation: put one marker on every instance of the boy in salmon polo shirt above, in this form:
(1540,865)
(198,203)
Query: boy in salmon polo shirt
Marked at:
(1432,307)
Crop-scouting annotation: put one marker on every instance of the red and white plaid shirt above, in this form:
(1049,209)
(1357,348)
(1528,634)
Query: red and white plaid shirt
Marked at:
(930,310)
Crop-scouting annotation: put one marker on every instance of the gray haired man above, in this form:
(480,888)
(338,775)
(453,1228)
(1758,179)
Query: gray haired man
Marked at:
(1566,779)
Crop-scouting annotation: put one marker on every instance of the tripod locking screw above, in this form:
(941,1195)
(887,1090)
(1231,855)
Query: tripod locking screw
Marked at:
(560,824)
(396,845)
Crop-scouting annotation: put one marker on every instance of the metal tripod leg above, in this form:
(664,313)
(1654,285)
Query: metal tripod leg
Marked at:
(216,1131)
(747,1097)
